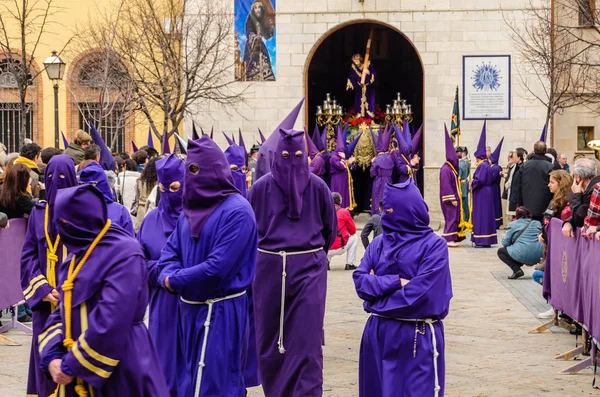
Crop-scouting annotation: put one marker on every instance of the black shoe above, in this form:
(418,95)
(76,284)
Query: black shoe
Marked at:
(328,266)
(24,318)
(483,246)
(350,267)
(519,273)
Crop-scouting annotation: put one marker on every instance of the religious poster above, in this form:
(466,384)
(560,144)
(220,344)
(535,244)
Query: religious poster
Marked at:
(486,87)
(255,40)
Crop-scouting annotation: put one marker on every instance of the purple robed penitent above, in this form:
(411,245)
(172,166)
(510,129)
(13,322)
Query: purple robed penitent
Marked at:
(111,352)
(211,255)
(382,168)
(402,164)
(36,277)
(153,234)
(340,174)
(392,363)
(298,201)
(236,157)
(449,193)
(94,175)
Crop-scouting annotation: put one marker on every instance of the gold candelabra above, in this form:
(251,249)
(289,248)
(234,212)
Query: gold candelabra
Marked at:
(398,111)
(330,114)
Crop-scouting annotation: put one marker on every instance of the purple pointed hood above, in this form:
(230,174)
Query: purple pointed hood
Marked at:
(265,153)
(451,156)
(80,214)
(416,140)
(94,175)
(290,170)
(134,147)
(195,136)
(262,137)
(166,147)
(543,136)
(480,153)
(212,132)
(316,138)
(107,161)
(312,149)
(207,182)
(60,174)
(170,169)
(351,146)
(340,142)
(403,147)
(384,139)
(150,140)
(229,140)
(243,146)
(407,135)
(65,140)
(495,156)
(405,218)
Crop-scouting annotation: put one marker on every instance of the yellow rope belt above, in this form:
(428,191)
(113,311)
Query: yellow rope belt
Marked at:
(51,256)
(462,225)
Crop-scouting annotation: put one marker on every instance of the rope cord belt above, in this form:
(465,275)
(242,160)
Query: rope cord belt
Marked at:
(436,354)
(51,256)
(284,255)
(209,303)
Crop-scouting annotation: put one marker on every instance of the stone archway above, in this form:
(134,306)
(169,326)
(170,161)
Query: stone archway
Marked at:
(396,61)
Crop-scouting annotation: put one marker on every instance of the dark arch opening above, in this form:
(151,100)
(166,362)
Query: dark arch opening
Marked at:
(398,69)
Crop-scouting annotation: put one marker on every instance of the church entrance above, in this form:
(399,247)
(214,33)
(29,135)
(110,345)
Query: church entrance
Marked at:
(397,69)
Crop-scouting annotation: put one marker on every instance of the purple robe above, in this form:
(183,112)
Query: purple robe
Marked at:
(364,94)
(448,195)
(482,206)
(392,362)
(298,372)
(35,268)
(219,263)
(403,167)
(112,354)
(317,165)
(496,179)
(381,172)
(341,181)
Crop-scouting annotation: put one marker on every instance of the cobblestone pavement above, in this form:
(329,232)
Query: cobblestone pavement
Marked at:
(488,349)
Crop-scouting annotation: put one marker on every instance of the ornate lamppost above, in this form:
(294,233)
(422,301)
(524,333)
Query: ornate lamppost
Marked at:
(55,68)
(331,115)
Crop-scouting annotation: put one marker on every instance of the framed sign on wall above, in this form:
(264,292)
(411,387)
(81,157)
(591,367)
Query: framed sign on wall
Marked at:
(486,87)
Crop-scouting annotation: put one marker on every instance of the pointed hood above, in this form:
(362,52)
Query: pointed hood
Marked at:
(150,140)
(416,140)
(236,157)
(94,175)
(480,153)
(60,174)
(451,156)
(170,169)
(65,140)
(134,147)
(312,149)
(291,172)
(316,138)
(195,136)
(207,182)
(262,137)
(166,147)
(212,132)
(182,143)
(243,146)
(340,143)
(384,139)
(265,153)
(543,136)
(375,139)
(495,156)
(107,161)
(76,223)
(352,145)
(229,140)
(403,147)
(407,135)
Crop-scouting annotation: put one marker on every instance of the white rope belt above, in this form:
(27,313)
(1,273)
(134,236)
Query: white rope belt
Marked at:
(210,303)
(284,255)
(436,354)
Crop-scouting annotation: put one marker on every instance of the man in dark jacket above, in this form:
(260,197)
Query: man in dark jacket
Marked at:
(532,183)
(585,177)
(373,225)
(519,158)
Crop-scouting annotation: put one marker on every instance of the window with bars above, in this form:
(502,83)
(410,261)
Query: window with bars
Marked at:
(113,126)
(587,12)
(10,125)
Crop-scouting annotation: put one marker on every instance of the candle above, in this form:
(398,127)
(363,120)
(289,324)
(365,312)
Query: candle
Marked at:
(387,109)
(319,111)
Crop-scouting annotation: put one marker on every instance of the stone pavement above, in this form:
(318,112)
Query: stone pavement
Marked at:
(488,349)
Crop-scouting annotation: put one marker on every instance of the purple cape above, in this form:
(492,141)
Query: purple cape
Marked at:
(482,206)
(112,352)
(298,372)
(407,249)
(208,182)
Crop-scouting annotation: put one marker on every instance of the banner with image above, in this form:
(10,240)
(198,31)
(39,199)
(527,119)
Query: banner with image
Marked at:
(255,39)
(486,87)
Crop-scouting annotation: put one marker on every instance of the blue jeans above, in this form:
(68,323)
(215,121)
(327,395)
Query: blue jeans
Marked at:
(538,276)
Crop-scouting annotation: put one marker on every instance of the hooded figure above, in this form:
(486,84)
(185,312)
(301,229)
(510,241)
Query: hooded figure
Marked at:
(291,274)
(156,228)
(451,195)
(106,349)
(95,176)
(236,157)
(107,161)
(315,153)
(42,253)
(341,178)
(496,179)
(482,218)
(404,281)
(402,162)
(382,168)
(209,262)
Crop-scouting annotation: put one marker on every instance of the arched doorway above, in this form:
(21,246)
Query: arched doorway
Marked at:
(398,69)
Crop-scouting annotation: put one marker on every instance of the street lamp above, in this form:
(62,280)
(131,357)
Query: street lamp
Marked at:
(55,67)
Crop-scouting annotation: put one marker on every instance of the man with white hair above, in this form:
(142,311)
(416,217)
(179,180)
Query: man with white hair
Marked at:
(585,177)
(564,163)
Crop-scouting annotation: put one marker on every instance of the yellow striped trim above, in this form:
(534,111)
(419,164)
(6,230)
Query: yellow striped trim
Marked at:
(487,235)
(32,282)
(95,355)
(91,367)
(448,196)
(449,234)
(449,199)
(43,334)
(499,219)
(35,288)
(48,339)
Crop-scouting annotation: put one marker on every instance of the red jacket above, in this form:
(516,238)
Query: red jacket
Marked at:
(346,227)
